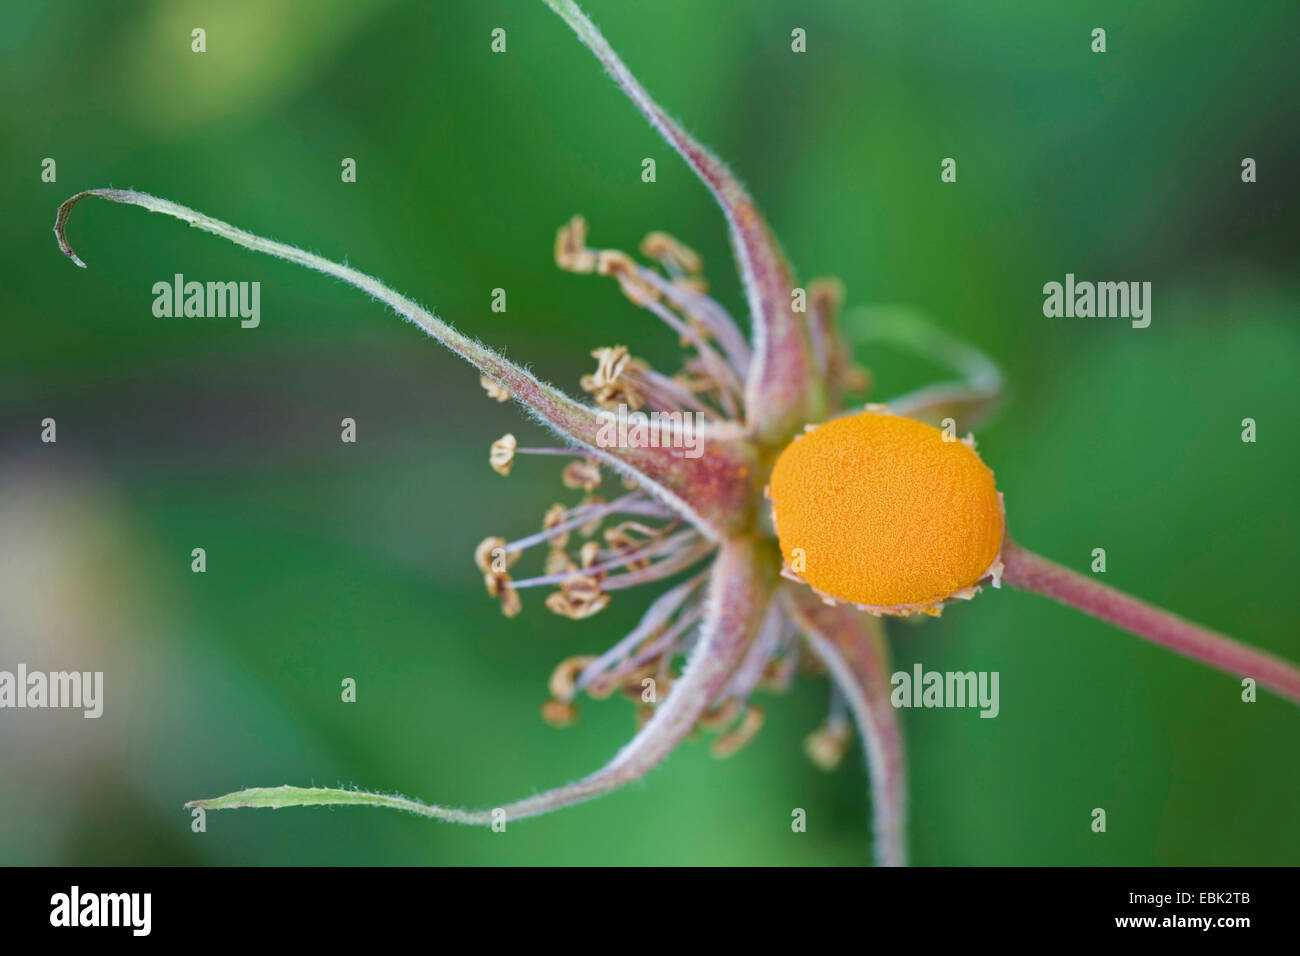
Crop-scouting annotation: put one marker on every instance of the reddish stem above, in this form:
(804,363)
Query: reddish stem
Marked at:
(1030,572)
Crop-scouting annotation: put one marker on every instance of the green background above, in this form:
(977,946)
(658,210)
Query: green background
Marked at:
(328,560)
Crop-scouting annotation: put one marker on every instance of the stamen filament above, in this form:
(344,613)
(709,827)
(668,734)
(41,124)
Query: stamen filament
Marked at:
(660,569)
(729,385)
(709,313)
(675,395)
(660,610)
(662,644)
(635,503)
(750,671)
(650,550)
(567,452)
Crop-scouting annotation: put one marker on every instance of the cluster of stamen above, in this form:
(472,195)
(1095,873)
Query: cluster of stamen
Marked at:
(599,546)
(711,380)
(644,664)
(710,383)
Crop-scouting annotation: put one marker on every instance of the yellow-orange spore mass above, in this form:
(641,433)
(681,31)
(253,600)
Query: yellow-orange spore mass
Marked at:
(887,513)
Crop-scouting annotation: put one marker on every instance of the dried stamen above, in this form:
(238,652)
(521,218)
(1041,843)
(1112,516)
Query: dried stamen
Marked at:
(562,684)
(656,616)
(731,742)
(607,682)
(763,648)
(502,455)
(580,596)
(827,745)
(571,252)
(584,474)
(614,381)
(676,257)
(559,713)
(495,389)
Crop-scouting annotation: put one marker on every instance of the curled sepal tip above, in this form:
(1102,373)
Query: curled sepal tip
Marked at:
(712,490)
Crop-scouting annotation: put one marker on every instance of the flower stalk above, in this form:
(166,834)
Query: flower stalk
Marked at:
(1031,572)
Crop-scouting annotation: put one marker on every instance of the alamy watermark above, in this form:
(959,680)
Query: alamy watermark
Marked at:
(922,688)
(1100,300)
(624,429)
(211,300)
(82,690)
(75,908)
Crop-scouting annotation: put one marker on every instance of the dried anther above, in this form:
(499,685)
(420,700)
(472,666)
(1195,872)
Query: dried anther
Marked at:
(732,741)
(510,603)
(493,559)
(491,556)
(559,713)
(554,517)
(495,389)
(571,252)
(826,746)
(579,597)
(614,381)
(588,528)
(562,683)
(675,256)
(583,474)
(502,455)
(636,541)
(779,674)
(611,262)
(499,586)
(558,562)
(720,716)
